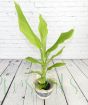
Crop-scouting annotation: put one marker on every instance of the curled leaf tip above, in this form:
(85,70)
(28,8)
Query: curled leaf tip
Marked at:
(40,16)
(72,30)
(15,2)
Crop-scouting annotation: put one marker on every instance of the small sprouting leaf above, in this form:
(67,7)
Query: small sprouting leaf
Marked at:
(41,86)
(43,30)
(26,29)
(41,80)
(63,37)
(33,60)
(56,65)
(58,53)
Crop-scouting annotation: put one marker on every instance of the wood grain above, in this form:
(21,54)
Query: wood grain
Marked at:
(16,87)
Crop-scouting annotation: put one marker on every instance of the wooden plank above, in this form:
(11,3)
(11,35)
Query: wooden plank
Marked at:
(21,91)
(1,60)
(72,92)
(16,93)
(85,61)
(7,78)
(31,98)
(57,97)
(4,65)
(79,78)
(82,67)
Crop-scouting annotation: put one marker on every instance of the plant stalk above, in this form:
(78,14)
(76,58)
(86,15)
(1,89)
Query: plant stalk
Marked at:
(44,64)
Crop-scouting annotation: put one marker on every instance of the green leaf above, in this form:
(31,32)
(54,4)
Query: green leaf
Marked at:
(26,29)
(46,84)
(43,30)
(58,53)
(41,80)
(33,60)
(41,86)
(56,65)
(63,37)
(35,72)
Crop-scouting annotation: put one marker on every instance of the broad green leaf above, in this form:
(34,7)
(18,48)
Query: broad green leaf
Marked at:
(35,72)
(58,53)
(26,29)
(56,65)
(43,30)
(33,60)
(63,37)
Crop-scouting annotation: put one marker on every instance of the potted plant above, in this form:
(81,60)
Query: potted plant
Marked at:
(43,85)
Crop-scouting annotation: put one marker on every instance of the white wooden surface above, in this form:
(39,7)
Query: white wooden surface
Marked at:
(61,15)
(16,87)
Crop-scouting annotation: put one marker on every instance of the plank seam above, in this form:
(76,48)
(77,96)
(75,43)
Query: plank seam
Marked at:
(80,69)
(10,84)
(44,102)
(84,62)
(6,68)
(61,85)
(26,85)
(77,84)
(1,60)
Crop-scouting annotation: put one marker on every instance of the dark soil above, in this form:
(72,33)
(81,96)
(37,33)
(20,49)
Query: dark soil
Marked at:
(47,86)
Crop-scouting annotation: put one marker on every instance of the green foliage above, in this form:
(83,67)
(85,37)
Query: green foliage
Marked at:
(43,35)
(45,86)
(26,29)
(63,37)
(43,30)
(33,60)
(41,80)
(58,53)
(35,72)
(41,86)
(56,65)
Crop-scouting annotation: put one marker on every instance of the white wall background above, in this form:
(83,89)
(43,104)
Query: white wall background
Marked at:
(61,15)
